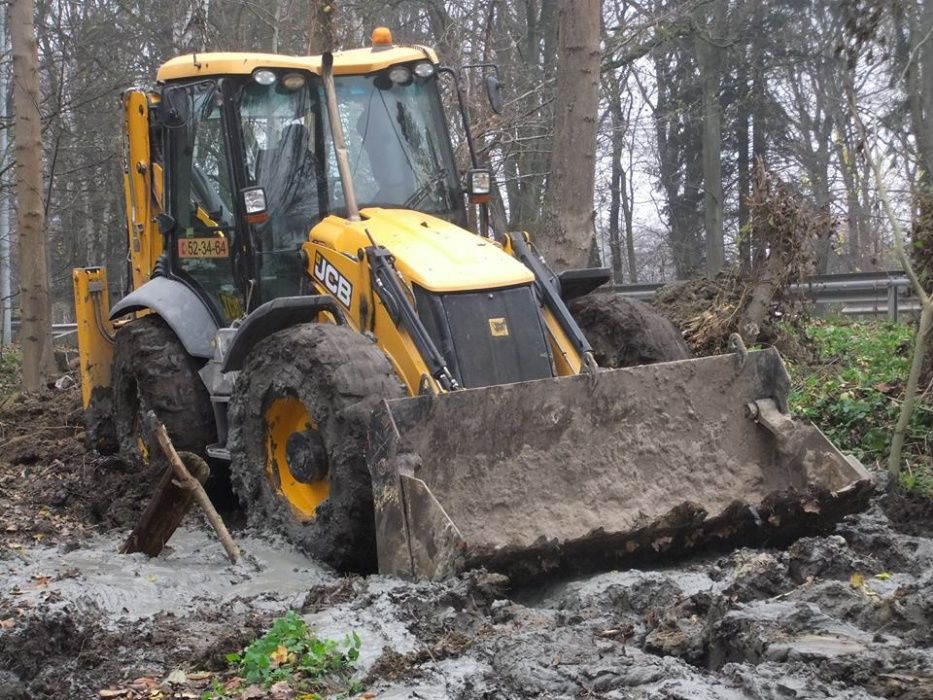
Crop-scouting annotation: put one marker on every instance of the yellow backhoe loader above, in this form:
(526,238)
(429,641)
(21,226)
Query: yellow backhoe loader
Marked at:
(389,389)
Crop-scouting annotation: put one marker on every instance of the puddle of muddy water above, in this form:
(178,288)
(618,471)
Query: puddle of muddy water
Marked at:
(189,573)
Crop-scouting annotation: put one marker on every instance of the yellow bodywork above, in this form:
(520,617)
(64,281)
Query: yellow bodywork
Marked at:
(142,187)
(95,332)
(352,62)
(429,252)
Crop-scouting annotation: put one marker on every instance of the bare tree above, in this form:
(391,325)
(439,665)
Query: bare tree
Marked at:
(709,58)
(567,233)
(35,326)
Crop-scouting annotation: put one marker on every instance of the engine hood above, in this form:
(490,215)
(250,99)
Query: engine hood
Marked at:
(435,254)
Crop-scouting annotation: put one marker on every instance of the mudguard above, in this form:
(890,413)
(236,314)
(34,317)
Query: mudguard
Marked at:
(273,316)
(182,309)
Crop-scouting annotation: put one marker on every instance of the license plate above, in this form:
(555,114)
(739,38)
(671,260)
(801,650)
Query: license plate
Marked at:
(203,248)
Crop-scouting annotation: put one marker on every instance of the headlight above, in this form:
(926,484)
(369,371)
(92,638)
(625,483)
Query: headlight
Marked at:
(293,81)
(264,77)
(254,200)
(399,75)
(479,181)
(424,69)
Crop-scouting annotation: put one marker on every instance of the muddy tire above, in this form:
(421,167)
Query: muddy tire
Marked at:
(336,376)
(625,332)
(152,370)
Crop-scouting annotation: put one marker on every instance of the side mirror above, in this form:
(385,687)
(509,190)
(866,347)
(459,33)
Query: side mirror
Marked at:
(166,223)
(494,93)
(254,204)
(174,108)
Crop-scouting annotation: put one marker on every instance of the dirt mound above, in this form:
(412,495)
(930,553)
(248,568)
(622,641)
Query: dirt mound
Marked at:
(707,310)
(71,655)
(910,513)
(52,489)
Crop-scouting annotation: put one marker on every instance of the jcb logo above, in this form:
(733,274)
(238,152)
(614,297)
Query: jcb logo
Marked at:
(336,284)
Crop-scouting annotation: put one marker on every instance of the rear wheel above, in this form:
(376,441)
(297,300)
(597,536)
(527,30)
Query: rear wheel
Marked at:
(625,332)
(152,370)
(298,421)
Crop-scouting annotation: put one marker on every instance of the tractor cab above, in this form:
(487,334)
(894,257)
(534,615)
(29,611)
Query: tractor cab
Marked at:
(229,124)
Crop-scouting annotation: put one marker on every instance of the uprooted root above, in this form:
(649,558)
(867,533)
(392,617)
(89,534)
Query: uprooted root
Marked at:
(784,232)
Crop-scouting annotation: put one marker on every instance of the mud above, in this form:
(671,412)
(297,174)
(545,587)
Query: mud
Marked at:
(847,614)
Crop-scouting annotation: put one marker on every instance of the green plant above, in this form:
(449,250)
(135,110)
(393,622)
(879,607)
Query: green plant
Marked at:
(854,393)
(291,650)
(10,365)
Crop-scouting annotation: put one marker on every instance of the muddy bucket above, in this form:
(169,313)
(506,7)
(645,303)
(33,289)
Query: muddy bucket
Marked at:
(575,475)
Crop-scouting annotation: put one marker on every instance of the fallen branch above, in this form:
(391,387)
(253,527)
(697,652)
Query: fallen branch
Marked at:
(189,482)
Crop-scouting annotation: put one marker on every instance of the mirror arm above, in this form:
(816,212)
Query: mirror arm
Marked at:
(465,116)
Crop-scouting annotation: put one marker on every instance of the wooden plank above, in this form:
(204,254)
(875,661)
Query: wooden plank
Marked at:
(192,484)
(164,513)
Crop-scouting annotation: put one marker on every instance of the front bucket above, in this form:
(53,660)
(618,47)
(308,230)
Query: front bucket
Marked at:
(574,475)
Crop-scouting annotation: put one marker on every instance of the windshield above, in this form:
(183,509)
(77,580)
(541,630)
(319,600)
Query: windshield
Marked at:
(399,153)
(399,149)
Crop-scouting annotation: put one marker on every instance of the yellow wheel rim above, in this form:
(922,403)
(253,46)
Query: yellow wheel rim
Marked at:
(284,417)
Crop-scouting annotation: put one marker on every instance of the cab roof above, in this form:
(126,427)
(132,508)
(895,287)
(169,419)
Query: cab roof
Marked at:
(352,62)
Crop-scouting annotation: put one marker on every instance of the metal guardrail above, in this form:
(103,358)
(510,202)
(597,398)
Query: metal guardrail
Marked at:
(862,293)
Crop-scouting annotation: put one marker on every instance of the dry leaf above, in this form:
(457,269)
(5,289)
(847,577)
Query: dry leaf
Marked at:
(177,677)
(857,580)
(144,683)
(113,693)
(281,691)
(279,656)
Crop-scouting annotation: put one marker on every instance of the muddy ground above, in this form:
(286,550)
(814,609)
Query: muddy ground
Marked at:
(848,615)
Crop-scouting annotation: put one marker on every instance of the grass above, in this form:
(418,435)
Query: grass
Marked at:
(853,392)
(290,652)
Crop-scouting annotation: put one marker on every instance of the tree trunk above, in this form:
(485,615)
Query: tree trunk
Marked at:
(566,234)
(743,166)
(616,181)
(709,58)
(35,327)
(321,36)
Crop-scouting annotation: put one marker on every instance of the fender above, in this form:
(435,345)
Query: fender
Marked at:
(182,309)
(273,316)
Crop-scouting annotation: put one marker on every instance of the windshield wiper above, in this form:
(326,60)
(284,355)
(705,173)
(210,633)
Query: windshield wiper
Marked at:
(425,189)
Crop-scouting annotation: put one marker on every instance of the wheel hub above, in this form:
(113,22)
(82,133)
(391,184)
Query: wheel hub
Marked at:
(307,459)
(296,459)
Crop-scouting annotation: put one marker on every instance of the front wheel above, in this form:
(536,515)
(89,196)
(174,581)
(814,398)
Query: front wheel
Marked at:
(298,421)
(625,332)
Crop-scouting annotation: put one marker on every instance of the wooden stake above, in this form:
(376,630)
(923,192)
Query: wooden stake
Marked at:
(188,481)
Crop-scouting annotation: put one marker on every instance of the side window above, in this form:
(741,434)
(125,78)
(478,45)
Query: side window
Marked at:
(201,194)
